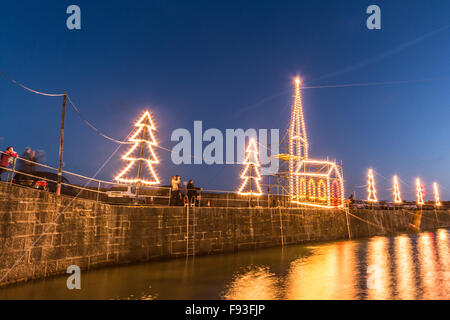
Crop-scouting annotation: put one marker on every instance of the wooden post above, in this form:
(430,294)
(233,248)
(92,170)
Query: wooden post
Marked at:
(61,144)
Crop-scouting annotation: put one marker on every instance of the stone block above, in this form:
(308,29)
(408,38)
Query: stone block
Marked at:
(178,246)
(98,260)
(18,243)
(35,255)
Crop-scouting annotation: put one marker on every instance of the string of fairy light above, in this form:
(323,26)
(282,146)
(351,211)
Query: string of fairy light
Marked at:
(298,141)
(300,189)
(251,174)
(311,182)
(139,138)
(324,187)
(420,190)
(397,195)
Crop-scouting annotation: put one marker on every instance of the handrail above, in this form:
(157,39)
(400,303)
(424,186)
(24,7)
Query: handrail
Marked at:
(114,183)
(206,194)
(68,172)
(14,174)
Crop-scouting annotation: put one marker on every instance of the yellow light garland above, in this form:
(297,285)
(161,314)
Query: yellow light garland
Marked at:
(322,192)
(311,189)
(419,192)
(372,192)
(397,196)
(437,201)
(146,126)
(315,189)
(298,141)
(252,162)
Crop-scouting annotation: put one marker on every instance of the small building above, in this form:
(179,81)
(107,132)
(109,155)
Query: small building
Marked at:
(318,183)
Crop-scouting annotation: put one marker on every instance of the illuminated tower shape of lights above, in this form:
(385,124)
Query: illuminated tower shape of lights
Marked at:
(251,173)
(372,192)
(143,140)
(397,195)
(298,141)
(419,192)
(437,200)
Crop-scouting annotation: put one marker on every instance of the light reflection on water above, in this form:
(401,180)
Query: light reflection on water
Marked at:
(256,284)
(401,267)
(378,260)
(404,271)
(400,270)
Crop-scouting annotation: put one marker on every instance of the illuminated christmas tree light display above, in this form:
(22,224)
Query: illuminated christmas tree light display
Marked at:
(141,153)
(298,141)
(419,188)
(397,195)
(372,192)
(437,200)
(251,176)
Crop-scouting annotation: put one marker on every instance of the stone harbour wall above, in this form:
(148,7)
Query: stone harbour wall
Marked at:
(41,234)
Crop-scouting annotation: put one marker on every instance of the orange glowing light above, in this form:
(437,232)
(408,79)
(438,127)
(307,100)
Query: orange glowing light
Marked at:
(141,144)
(311,189)
(322,192)
(251,173)
(397,196)
(419,189)
(315,178)
(372,197)
(437,200)
(298,141)
(319,182)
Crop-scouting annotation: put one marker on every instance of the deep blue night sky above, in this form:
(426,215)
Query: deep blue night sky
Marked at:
(231,65)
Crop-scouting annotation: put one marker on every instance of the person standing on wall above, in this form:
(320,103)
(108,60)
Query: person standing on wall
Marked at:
(6,159)
(192,192)
(176,195)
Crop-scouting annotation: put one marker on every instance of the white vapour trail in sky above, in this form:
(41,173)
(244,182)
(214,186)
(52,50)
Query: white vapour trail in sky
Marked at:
(381,56)
(353,67)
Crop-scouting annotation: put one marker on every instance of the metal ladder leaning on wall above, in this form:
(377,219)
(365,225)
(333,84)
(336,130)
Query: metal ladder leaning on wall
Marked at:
(190,227)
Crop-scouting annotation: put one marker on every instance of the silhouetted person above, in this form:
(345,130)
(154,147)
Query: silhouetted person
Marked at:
(192,191)
(32,165)
(176,198)
(351,199)
(6,159)
(24,165)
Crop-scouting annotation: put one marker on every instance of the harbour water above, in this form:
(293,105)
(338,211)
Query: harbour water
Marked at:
(407,266)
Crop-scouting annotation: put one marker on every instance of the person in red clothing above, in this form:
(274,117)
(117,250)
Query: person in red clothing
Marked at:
(6,159)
